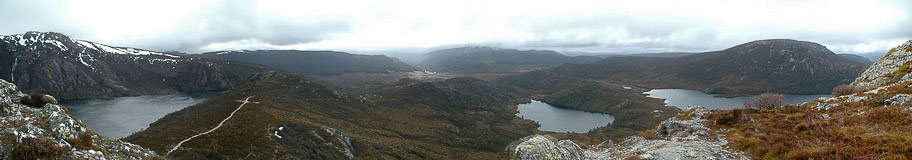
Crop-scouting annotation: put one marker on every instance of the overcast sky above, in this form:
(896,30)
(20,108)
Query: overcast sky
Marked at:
(624,26)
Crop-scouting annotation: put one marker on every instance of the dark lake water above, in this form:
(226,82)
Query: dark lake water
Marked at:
(683,97)
(120,117)
(562,120)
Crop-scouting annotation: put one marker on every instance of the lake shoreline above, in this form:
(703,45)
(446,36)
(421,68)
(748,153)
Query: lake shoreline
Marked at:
(682,98)
(562,120)
(122,116)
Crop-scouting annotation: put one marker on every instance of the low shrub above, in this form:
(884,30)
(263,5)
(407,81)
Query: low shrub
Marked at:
(765,101)
(844,89)
(731,117)
(33,148)
(3,109)
(83,142)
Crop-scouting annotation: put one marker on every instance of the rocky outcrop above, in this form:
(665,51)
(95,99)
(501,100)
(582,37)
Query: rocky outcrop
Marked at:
(894,66)
(545,147)
(50,132)
(677,138)
(69,68)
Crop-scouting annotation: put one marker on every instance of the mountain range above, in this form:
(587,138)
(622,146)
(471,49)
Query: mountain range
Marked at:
(313,62)
(57,64)
(775,65)
(491,59)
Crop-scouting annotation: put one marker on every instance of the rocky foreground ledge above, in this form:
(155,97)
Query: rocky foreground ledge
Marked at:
(50,132)
(683,137)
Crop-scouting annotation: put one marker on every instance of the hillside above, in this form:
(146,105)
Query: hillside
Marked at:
(57,64)
(872,123)
(313,62)
(297,118)
(490,59)
(776,65)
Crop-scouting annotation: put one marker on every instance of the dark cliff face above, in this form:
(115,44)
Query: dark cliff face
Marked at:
(489,59)
(314,62)
(77,69)
(777,65)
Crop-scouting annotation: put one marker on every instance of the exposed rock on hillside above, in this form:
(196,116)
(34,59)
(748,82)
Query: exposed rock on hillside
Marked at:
(51,133)
(70,68)
(677,138)
(892,67)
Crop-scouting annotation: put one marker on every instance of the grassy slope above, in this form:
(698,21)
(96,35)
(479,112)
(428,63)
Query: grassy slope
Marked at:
(460,118)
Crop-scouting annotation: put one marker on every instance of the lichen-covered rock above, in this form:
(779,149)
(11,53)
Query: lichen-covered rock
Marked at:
(678,138)
(540,147)
(51,133)
(642,148)
(886,68)
(899,99)
(684,128)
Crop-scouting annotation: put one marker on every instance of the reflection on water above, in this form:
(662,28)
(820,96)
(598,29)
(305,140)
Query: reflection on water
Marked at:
(684,97)
(120,117)
(562,120)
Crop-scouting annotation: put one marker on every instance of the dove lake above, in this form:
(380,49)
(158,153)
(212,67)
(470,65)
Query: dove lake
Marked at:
(119,117)
(557,119)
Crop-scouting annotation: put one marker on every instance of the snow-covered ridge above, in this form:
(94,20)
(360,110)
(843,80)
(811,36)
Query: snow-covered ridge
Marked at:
(63,42)
(237,51)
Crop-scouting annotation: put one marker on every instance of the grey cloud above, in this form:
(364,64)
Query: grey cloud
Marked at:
(39,15)
(237,20)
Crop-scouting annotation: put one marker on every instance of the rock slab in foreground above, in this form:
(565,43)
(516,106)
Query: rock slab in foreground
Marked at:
(51,133)
(685,138)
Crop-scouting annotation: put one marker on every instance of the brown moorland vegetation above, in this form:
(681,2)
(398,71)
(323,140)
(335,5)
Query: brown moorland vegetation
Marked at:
(858,130)
(845,89)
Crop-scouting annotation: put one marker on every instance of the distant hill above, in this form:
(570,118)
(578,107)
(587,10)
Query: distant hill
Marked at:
(490,59)
(313,62)
(857,58)
(661,54)
(777,65)
(70,68)
(873,56)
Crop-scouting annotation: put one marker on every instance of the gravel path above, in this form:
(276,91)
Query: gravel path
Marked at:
(243,102)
